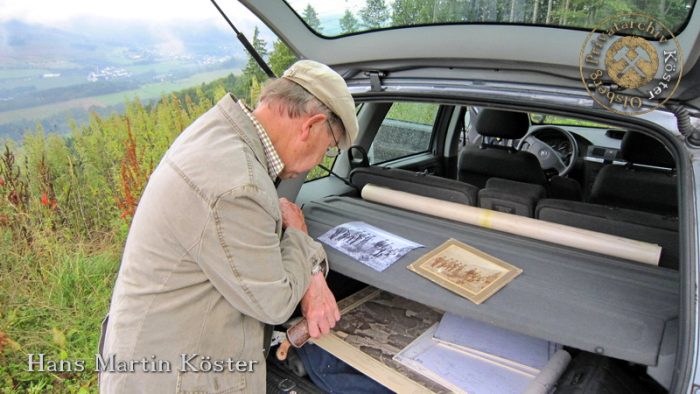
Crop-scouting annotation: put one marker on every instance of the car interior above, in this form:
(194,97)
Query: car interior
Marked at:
(549,167)
(597,177)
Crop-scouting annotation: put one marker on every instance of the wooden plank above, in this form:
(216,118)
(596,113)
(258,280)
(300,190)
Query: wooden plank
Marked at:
(376,370)
(353,301)
(373,331)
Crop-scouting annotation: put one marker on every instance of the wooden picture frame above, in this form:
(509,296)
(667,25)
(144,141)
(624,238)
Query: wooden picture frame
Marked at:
(465,270)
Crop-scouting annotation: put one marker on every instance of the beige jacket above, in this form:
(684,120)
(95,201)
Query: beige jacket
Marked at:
(205,263)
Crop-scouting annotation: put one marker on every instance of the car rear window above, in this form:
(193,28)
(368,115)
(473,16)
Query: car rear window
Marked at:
(333,18)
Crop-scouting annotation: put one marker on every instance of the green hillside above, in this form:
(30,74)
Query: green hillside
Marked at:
(66,203)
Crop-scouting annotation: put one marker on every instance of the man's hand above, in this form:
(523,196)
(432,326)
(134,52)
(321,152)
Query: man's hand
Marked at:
(318,307)
(292,216)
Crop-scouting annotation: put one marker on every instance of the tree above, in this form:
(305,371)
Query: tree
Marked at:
(535,9)
(281,57)
(252,68)
(548,19)
(374,14)
(462,10)
(311,18)
(254,90)
(412,12)
(348,23)
(564,14)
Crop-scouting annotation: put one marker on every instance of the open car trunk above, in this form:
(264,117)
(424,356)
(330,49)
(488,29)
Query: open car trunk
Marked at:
(604,310)
(583,301)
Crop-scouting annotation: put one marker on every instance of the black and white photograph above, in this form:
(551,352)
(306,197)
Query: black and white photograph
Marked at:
(367,244)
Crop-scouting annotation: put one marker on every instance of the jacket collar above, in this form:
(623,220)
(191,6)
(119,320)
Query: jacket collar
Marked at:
(243,126)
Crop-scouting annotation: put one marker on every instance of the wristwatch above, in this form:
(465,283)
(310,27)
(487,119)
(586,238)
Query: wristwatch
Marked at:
(321,266)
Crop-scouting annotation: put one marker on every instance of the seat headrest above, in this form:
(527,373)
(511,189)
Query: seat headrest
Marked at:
(639,148)
(503,124)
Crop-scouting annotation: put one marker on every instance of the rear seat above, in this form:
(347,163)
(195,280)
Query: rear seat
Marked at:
(647,183)
(416,183)
(628,223)
(517,198)
(527,200)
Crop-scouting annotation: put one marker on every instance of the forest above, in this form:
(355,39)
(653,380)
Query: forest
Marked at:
(570,13)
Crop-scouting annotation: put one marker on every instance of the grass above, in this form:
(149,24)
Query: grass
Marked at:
(57,310)
(156,90)
(43,111)
(56,276)
(43,83)
(318,172)
(158,68)
(562,121)
(13,73)
(422,113)
(145,92)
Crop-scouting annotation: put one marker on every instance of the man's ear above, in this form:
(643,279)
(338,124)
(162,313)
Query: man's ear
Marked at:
(309,123)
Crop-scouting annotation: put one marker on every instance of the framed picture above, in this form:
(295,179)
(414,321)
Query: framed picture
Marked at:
(465,270)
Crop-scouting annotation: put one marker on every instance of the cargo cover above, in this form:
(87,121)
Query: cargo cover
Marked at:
(581,299)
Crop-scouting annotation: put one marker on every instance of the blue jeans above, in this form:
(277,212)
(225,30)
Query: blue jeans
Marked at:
(333,375)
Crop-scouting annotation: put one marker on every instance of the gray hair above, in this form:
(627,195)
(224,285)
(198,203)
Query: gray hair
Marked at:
(296,101)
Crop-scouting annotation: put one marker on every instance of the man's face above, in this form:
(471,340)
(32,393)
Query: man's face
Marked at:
(316,140)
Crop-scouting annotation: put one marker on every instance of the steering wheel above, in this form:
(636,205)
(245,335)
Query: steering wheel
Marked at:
(548,156)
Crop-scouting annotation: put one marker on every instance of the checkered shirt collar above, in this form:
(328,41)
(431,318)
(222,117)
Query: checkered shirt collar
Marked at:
(274,162)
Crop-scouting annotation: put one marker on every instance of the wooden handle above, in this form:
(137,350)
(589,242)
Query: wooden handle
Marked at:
(298,333)
(297,336)
(282,350)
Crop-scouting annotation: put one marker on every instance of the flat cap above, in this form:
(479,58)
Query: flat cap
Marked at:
(330,89)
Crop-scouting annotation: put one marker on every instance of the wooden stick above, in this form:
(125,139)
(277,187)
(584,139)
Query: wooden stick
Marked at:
(283,350)
(611,245)
(367,365)
(298,333)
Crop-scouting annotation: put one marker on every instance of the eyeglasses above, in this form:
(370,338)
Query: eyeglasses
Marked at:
(334,150)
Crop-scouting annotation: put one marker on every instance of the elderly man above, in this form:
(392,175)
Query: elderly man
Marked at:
(213,254)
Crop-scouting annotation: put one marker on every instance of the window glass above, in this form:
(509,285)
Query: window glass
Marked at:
(536,118)
(406,130)
(328,162)
(332,18)
(318,172)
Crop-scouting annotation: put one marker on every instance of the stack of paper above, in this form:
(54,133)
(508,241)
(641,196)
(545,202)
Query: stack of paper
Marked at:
(470,356)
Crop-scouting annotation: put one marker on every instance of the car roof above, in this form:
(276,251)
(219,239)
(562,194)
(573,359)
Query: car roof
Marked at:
(532,51)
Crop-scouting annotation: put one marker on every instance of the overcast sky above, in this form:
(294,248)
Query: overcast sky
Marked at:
(330,7)
(57,12)
(68,14)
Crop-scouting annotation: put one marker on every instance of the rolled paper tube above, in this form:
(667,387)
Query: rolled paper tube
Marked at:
(550,374)
(642,252)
